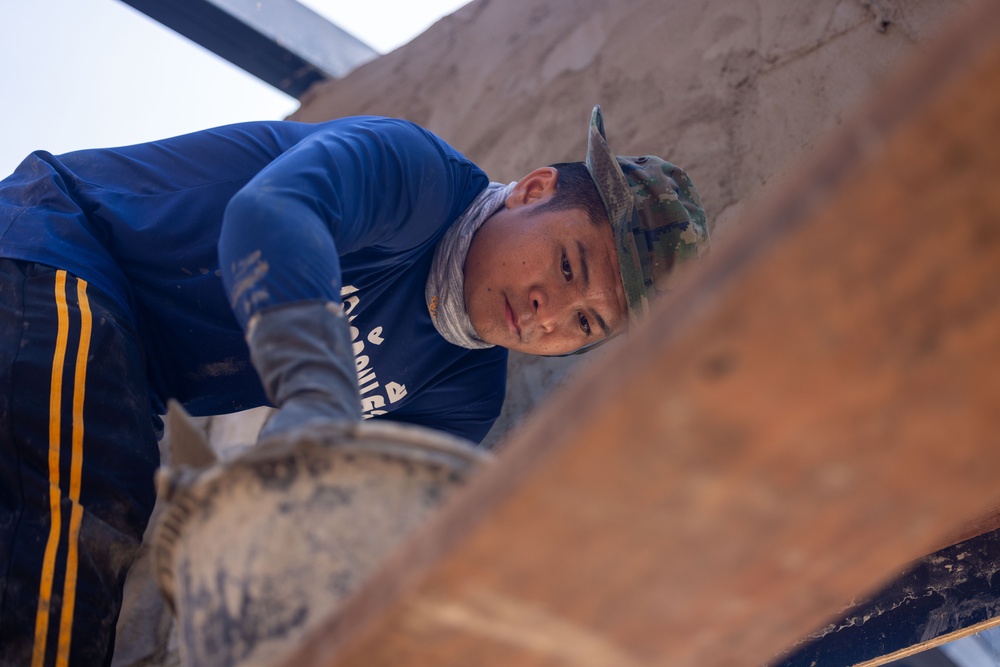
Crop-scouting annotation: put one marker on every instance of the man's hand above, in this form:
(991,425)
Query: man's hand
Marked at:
(302,352)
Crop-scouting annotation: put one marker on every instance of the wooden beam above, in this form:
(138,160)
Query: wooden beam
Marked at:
(815,410)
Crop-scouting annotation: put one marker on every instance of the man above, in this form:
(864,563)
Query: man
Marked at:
(344,270)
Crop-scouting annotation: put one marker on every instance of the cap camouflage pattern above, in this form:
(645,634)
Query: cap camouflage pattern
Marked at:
(655,212)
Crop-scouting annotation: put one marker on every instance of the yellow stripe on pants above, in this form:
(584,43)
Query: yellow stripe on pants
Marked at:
(76,468)
(76,471)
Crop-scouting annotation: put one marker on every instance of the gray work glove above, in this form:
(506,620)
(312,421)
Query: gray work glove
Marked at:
(302,352)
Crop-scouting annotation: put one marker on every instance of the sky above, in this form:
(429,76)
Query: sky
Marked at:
(90,73)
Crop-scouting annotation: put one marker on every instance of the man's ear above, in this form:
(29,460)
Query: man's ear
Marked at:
(534,187)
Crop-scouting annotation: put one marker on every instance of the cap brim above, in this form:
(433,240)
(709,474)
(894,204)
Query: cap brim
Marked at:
(608,176)
(620,206)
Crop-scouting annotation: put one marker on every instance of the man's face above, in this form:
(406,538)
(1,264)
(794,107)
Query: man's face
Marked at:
(543,282)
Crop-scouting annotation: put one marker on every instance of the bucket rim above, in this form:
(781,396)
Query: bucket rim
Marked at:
(185,490)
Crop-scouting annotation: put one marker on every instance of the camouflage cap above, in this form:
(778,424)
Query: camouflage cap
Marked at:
(656,215)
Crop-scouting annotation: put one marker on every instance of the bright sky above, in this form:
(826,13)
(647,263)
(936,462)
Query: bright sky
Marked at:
(88,73)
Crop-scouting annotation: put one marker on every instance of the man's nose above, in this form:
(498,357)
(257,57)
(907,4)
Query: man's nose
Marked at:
(548,305)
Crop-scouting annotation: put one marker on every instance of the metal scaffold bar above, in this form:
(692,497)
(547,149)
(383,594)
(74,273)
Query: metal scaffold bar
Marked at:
(282,42)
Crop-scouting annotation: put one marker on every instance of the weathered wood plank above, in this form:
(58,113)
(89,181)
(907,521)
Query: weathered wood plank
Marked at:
(815,411)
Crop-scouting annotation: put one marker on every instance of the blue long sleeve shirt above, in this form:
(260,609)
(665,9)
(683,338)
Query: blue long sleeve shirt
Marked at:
(350,209)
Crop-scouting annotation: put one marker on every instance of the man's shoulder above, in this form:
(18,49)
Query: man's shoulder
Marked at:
(395,131)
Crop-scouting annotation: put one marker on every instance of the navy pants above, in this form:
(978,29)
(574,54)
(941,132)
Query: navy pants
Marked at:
(77,457)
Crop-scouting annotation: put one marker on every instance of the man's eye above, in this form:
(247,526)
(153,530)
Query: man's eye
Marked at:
(584,324)
(567,270)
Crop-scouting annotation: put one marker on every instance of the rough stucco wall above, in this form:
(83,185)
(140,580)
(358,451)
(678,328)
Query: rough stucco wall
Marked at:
(732,90)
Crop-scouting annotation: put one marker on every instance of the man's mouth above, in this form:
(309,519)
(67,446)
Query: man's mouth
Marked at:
(511,320)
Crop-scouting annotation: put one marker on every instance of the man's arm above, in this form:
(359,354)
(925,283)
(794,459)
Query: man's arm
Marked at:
(353,187)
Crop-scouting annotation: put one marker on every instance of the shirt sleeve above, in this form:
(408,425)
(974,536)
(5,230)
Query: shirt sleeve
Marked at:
(369,184)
